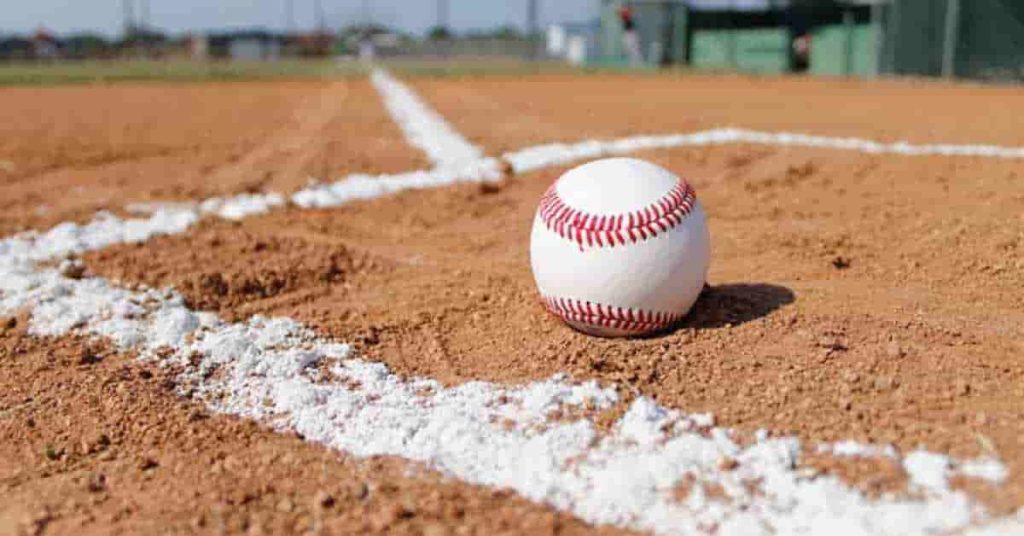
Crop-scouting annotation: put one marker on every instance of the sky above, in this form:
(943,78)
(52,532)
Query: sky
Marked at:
(106,16)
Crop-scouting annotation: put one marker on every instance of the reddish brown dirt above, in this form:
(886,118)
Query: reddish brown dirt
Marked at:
(853,296)
(106,146)
(914,342)
(510,113)
(96,444)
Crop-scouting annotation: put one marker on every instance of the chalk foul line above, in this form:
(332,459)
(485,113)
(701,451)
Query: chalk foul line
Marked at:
(479,432)
(423,127)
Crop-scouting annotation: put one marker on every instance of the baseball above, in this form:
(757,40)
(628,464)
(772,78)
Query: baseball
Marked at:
(619,247)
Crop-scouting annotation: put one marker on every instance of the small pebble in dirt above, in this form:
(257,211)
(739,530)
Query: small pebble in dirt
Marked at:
(87,356)
(72,269)
(285,505)
(728,464)
(372,337)
(506,168)
(359,491)
(323,499)
(841,263)
(97,483)
(831,343)
(488,187)
(51,453)
(894,350)
(885,383)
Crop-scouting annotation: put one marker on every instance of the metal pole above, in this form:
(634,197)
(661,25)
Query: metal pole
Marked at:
(949,38)
(321,25)
(848,28)
(289,16)
(442,14)
(144,13)
(879,38)
(733,30)
(892,36)
(532,26)
(129,16)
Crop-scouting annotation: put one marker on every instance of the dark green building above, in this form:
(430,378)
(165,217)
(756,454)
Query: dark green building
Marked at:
(967,38)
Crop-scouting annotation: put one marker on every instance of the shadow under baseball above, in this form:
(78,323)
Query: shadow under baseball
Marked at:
(735,304)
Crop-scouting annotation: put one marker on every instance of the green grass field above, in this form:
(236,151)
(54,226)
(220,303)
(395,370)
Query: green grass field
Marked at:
(86,72)
(113,71)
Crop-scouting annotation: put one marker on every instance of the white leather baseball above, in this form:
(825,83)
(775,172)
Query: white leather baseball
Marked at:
(619,247)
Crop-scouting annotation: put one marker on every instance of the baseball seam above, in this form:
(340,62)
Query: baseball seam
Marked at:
(609,230)
(609,316)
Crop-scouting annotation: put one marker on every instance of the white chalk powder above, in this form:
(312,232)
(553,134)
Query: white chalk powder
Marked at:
(628,477)
(423,127)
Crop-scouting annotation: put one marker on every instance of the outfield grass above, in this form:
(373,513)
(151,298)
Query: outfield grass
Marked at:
(84,72)
(112,71)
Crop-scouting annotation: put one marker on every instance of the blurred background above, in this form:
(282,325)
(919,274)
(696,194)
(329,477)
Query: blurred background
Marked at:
(978,39)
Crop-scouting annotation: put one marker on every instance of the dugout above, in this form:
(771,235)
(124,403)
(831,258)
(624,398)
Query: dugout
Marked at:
(962,38)
(843,37)
(953,38)
(661,26)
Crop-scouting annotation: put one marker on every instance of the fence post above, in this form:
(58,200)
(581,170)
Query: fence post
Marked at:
(848,28)
(878,39)
(892,36)
(681,19)
(949,38)
(733,62)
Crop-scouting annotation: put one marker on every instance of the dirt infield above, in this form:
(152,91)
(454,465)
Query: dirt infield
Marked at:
(852,296)
(111,145)
(509,113)
(96,444)
(915,348)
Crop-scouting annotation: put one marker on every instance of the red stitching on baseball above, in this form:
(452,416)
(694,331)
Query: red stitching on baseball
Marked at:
(605,316)
(600,230)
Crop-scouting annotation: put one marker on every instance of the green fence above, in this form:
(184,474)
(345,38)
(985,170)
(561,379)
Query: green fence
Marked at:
(755,50)
(965,38)
(845,50)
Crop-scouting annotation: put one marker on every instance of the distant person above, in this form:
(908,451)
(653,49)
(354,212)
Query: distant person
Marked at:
(367,48)
(801,53)
(630,40)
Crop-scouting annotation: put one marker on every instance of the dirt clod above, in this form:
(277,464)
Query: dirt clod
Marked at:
(841,263)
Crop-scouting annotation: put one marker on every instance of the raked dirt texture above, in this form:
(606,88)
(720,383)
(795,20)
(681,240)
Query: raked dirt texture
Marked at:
(362,350)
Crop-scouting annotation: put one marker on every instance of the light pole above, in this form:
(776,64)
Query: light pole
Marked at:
(533,26)
(289,16)
(144,13)
(128,8)
(318,8)
(442,14)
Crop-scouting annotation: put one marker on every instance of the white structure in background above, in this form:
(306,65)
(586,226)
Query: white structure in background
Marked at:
(367,49)
(199,46)
(576,52)
(555,44)
(572,42)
